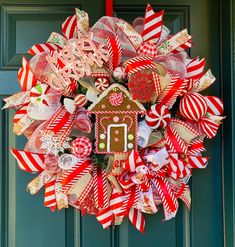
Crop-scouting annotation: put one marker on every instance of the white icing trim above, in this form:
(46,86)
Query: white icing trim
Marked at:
(105,93)
(125,135)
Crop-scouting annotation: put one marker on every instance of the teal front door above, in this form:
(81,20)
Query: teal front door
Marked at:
(24,221)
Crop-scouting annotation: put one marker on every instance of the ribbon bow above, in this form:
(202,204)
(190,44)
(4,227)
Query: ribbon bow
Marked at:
(36,162)
(145,179)
(205,111)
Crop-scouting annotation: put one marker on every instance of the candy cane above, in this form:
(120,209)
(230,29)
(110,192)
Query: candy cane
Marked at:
(101,123)
(131,121)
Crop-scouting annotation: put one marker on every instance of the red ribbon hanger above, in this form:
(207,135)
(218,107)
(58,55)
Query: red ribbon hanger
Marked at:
(109,7)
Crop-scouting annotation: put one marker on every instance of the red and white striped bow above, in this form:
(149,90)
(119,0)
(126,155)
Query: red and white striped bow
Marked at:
(35,162)
(204,110)
(118,208)
(141,177)
(182,167)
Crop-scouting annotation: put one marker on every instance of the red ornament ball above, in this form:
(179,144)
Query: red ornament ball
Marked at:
(81,147)
(101,84)
(158,116)
(193,106)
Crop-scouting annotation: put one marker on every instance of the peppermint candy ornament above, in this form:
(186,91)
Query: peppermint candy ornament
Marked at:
(37,94)
(116,99)
(193,106)
(158,116)
(101,84)
(81,147)
(119,74)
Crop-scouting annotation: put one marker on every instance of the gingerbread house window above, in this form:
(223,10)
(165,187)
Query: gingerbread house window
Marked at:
(116,120)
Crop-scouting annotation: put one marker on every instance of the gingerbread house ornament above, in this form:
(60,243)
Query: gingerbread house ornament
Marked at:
(116,124)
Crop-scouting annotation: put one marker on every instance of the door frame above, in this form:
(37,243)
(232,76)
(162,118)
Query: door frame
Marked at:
(227,38)
(227,67)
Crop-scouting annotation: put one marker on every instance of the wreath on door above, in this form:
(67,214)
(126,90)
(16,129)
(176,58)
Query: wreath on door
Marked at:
(114,117)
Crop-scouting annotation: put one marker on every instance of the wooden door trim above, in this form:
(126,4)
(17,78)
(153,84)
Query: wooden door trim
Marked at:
(227,33)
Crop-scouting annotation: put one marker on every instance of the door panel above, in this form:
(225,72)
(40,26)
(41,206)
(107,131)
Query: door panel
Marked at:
(119,130)
(202,226)
(24,220)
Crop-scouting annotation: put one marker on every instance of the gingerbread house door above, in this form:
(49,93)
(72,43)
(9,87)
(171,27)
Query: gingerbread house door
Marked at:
(24,222)
(118,142)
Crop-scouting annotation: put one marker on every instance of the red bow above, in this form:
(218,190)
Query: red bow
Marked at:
(141,177)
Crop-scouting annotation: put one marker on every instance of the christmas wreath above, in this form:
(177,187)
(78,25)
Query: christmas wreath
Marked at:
(114,117)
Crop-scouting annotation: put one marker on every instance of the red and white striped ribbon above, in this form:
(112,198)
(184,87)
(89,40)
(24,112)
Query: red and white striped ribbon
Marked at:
(105,217)
(208,127)
(40,48)
(137,219)
(132,197)
(182,192)
(49,194)
(70,90)
(136,64)
(215,105)
(28,161)
(168,198)
(125,181)
(197,162)
(174,142)
(76,26)
(69,27)
(115,52)
(61,123)
(152,24)
(100,188)
(20,113)
(178,167)
(133,161)
(172,91)
(70,177)
(196,147)
(195,69)
(116,203)
(26,77)
(183,47)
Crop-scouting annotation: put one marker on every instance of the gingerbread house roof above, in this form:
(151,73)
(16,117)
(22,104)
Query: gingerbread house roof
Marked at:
(116,98)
